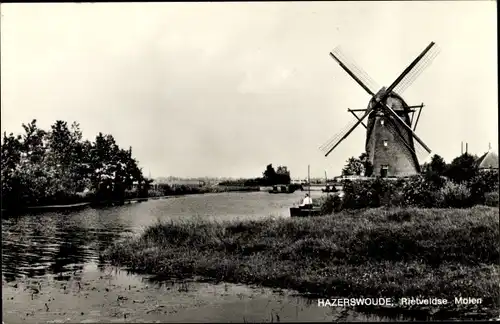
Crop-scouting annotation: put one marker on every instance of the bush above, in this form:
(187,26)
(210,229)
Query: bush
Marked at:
(483,182)
(491,199)
(418,192)
(423,191)
(331,204)
(454,195)
(371,193)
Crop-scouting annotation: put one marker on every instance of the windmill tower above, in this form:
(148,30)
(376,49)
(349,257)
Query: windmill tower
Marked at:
(392,146)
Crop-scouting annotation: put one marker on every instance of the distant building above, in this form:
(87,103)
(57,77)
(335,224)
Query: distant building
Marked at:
(488,161)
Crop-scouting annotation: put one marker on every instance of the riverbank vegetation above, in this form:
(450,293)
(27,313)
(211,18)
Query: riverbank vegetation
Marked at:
(423,192)
(56,166)
(391,252)
(460,184)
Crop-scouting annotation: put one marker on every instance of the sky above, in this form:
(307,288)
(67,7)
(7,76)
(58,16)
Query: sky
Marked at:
(223,89)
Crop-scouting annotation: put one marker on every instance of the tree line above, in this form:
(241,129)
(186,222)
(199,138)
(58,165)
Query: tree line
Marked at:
(270,177)
(56,166)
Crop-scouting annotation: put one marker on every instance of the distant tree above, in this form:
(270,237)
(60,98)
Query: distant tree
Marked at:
(282,175)
(269,175)
(462,168)
(354,166)
(367,165)
(437,165)
(434,171)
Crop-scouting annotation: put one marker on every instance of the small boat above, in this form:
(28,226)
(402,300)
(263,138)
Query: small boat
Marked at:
(308,210)
(282,189)
(71,207)
(305,212)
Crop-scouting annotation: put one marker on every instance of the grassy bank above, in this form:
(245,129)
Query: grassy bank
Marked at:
(377,252)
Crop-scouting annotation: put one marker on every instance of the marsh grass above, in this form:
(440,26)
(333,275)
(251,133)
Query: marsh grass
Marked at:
(376,252)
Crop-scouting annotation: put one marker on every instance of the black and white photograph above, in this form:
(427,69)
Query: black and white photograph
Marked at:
(249,162)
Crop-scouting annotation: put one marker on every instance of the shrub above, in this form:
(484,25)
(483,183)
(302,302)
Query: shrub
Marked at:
(462,168)
(373,193)
(331,204)
(483,182)
(418,192)
(454,195)
(491,199)
(424,191)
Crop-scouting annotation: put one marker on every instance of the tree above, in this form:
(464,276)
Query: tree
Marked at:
(282,175)
(11,158)
(462,168)
(273,177)
(33,142)
(353,167)
(269,175)
(434,171)
(40,167)
(358,166)
(437,165)
(367,165)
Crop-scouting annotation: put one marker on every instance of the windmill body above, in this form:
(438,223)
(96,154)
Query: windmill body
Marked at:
(392,146)
(389,145)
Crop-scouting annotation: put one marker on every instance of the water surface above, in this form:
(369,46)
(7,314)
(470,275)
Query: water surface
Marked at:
(51,271)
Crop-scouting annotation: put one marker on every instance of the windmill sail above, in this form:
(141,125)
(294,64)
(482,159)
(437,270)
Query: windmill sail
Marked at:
(358,74)
(391,144)
(426,60)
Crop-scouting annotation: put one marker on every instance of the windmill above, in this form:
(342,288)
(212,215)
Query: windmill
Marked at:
(392,146)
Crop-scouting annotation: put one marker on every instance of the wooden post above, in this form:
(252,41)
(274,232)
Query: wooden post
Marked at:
(309,180)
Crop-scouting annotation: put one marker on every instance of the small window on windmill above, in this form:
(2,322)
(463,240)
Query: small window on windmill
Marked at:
(385,142)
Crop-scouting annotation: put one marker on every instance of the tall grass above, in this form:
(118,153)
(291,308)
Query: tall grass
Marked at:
(376,252)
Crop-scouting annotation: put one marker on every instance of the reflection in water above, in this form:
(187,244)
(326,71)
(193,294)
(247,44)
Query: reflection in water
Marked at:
(34,246)
(61,244)
(43,250)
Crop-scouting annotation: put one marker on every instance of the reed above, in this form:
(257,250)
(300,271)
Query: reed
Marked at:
(375,252)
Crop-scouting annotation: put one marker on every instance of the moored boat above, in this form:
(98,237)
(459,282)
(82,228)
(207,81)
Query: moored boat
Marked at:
(305,212)
(58,208)
(282,189)
(45,209)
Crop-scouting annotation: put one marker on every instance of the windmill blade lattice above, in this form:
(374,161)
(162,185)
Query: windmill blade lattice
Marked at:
(417,70)
(353,67)
(333,140)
